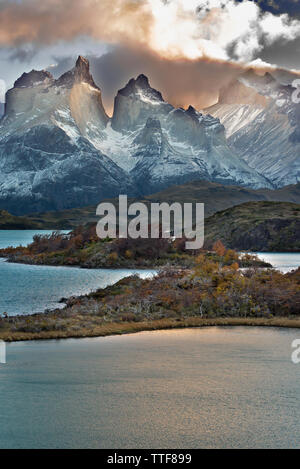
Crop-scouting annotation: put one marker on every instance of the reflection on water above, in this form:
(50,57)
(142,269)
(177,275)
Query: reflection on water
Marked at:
(198,388)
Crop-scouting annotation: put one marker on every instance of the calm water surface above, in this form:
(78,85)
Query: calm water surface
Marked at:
(197,388)
(16,238)
(283,261)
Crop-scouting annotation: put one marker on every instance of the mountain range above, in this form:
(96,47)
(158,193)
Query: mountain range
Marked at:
(262,124)
(59,149)
(216,198)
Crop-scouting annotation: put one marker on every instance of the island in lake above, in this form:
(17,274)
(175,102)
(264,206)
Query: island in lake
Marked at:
(218,286)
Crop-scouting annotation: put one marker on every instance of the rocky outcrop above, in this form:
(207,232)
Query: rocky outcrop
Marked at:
(183,144)
(79,74)
(45,170)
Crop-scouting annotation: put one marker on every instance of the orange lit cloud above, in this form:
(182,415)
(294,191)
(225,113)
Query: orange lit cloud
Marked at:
(188,48)
(171,28)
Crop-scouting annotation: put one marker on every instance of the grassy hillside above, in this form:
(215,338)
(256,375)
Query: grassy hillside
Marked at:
(257,226)
(217,197)
(11,222)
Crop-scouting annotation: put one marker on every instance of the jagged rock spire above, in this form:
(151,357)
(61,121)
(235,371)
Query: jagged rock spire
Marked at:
(82,69)
(80,73)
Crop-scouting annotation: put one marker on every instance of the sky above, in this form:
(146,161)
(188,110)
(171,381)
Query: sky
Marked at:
(188,48)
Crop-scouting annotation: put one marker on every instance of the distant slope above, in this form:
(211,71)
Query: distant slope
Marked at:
(216,197)
(63,220)
(11,222)
(256,226)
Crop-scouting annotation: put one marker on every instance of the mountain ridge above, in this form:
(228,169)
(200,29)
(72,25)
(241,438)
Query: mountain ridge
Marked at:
(263,124)
(215,197)
(59,149)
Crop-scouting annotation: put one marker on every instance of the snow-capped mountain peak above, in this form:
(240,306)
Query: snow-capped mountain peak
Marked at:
(59,148)
(263,124)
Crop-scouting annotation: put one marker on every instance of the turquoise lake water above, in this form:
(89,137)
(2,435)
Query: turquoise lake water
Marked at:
(26,289)
(16,238)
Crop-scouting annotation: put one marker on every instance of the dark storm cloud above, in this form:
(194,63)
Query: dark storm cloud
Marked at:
(284,55)
(292,7)
(22,54)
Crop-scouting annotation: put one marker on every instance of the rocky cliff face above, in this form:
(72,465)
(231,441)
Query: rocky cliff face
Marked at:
(160,145)
(263,125)
(59,149)
(46,161)
(135,103)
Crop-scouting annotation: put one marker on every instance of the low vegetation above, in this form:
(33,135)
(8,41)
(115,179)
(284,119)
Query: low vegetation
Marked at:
(83,248)
(214,291)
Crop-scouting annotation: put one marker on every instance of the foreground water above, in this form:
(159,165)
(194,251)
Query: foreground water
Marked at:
(197,388)
(26,289)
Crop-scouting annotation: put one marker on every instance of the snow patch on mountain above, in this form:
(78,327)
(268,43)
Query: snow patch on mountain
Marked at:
(59,149)
(266,135)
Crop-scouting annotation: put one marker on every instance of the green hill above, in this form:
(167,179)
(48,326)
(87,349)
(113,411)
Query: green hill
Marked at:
(256,226)
(216,197)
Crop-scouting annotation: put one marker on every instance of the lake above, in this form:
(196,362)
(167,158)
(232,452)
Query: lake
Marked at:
(16,238)
(26,289)
(283,261)
(195,388)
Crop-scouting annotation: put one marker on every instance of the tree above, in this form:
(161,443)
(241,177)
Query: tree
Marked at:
(219,248)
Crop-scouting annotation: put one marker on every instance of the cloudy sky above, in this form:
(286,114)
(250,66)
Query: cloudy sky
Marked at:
(188,48)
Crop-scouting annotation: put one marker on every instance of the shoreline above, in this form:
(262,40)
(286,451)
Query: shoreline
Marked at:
(130,266)
(78,266)
(115,329)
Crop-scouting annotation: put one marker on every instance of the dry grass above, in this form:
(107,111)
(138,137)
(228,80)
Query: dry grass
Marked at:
(133,327)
